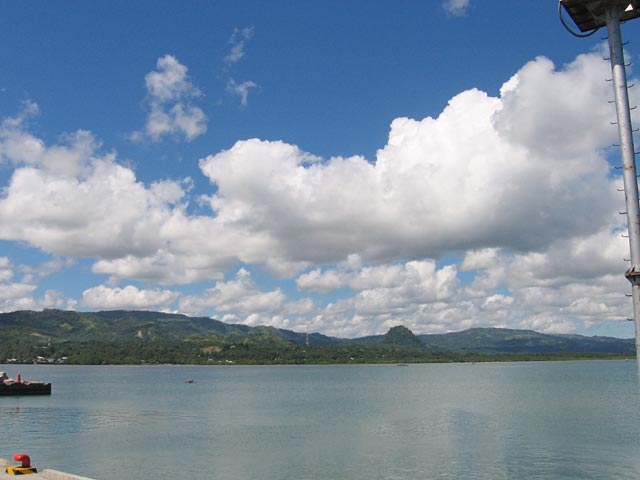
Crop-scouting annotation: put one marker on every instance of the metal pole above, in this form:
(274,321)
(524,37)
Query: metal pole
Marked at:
(628,158)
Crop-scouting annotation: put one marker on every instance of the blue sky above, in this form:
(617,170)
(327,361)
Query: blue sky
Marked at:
(335,166)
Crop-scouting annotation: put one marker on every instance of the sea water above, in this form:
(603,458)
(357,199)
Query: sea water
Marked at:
(529,420)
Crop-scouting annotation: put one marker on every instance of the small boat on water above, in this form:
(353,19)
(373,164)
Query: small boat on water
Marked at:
(9,386)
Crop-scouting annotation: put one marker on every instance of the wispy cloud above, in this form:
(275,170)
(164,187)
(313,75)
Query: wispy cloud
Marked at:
(238,41)
(169,92)
(240,89)
(457,8)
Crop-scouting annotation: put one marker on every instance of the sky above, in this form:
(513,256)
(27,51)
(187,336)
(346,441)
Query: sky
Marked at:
(339,167)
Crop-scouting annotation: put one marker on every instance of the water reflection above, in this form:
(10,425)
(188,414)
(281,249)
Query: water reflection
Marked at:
(496,421)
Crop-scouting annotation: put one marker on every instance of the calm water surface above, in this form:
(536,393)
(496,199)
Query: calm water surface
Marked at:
(538,420)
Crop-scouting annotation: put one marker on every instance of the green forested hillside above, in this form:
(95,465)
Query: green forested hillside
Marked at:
(152,337)
(111,336)
(504,340)
(120,325)
(401,336)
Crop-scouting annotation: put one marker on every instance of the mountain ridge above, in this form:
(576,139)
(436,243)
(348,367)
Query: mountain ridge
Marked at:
(121,326)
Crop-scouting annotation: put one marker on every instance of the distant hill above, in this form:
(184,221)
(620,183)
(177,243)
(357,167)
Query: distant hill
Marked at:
(124,325)
(504,340)
(22,331)
(401,336)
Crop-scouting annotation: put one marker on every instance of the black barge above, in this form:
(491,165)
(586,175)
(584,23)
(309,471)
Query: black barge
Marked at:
(8,386)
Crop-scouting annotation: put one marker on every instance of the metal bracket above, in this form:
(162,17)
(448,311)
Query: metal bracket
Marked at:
(633,275)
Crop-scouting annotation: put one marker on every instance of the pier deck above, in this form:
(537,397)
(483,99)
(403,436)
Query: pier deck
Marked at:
(45,474)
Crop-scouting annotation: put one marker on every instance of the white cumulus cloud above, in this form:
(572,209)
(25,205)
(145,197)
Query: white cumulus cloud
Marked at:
(128,298)
(516,187)
(21,294)
(474,177)
(241,297)
(170,93)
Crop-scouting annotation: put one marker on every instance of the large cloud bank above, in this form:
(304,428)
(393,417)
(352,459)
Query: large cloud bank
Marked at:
(517,187)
